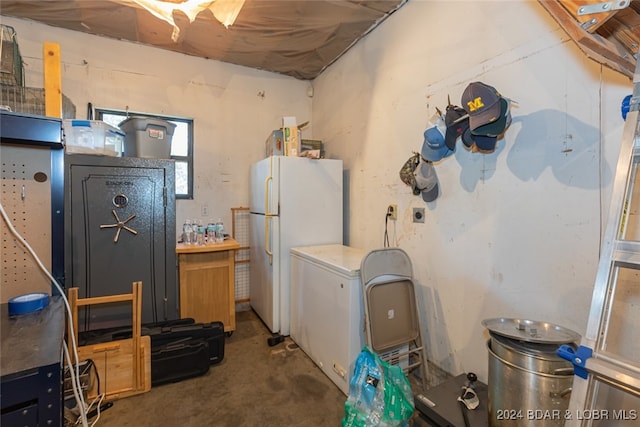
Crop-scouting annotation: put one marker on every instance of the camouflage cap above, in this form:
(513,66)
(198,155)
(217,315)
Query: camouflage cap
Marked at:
(406,173)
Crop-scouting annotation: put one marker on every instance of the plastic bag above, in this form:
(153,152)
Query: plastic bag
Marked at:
(379,394)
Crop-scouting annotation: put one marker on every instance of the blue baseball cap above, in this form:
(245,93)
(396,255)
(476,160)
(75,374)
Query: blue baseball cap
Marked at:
(434,147)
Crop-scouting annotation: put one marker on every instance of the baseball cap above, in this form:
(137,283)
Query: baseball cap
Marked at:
(434,147)
(407,172)
(457,121)
(427,181)
(467,138)
(497,127)
(485,143)
(482,102)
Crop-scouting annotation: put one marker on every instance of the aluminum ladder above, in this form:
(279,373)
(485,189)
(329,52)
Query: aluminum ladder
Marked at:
(606,385)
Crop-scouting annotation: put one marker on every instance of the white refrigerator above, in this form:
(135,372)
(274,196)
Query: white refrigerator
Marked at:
(295,201)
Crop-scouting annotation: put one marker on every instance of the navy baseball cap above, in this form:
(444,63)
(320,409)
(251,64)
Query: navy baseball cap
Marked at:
(497,127)
(457,121)
(485,143)
(482,102)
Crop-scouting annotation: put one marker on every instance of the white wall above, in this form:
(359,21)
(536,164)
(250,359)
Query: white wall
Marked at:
(514,233)
(231,120)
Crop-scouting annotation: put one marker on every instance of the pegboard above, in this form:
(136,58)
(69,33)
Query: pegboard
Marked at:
(240,232)
(26,199)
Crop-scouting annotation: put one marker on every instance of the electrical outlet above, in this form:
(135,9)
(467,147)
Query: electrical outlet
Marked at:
(204,210)
(418,214)
(392,211)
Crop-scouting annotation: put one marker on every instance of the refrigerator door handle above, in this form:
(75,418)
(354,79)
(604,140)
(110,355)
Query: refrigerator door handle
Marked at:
(267,181)
(266,238)
(267,216)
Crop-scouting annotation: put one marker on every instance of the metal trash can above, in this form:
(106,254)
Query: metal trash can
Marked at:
(529,384)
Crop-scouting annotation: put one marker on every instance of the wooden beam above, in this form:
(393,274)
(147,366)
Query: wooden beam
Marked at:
(52,80)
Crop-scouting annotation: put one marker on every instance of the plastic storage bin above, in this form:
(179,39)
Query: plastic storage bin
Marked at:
(113,140)
(147,137)
(92,137)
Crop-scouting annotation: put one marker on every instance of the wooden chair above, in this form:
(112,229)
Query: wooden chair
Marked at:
(124,366)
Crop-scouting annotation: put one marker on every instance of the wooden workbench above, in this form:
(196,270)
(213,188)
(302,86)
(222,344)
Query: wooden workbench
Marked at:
(207,280)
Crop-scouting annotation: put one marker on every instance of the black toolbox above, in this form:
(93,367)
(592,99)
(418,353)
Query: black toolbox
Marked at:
(439,405)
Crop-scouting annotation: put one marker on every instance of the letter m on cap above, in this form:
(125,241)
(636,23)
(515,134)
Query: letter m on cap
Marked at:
(475,104)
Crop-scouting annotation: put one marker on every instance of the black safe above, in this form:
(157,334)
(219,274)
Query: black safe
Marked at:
(119,229)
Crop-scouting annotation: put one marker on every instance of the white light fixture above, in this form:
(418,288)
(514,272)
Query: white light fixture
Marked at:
(225,11)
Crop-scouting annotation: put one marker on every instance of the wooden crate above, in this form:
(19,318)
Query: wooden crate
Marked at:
(114,363)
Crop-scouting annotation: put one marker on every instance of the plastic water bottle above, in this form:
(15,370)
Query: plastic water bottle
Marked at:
(211,232)
(195,225)
(200,238)
(186,232)
(219,231)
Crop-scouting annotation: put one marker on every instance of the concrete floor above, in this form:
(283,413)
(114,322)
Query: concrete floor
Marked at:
(254,385)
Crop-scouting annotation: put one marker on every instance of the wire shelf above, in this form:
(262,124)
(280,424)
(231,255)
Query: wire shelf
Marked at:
(240,232)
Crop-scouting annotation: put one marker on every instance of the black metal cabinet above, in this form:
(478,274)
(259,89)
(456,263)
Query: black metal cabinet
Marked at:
(120,228)
(31,151)
(31,366)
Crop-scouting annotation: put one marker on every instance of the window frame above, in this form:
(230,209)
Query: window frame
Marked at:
(188,159)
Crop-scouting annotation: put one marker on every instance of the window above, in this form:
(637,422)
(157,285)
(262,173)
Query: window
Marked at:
(181,145)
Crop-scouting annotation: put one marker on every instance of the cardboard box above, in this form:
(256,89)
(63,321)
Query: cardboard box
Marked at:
(284,141)
(314,147)
(291,136)
(274,145)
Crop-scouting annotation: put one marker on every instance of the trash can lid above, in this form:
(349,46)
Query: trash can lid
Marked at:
(531,331)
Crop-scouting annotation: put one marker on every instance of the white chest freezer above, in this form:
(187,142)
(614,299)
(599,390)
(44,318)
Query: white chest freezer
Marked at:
(327,309)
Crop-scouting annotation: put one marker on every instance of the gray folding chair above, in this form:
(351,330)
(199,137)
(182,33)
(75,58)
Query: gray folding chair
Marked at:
(392,324)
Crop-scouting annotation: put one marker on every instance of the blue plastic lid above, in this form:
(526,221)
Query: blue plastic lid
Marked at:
(625,106)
